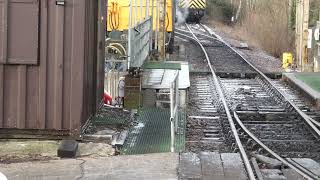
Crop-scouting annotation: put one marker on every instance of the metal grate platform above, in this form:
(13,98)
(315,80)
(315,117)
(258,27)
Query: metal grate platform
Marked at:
(152,133)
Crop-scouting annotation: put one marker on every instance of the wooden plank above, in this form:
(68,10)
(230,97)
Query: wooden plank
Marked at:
(204,117)
(21,99)
(77,65)
(9,133)
(4,49)
(1,95)
(58,68)
(41,121)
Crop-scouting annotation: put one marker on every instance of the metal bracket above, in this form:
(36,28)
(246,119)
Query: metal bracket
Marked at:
(136,30)
(60,2)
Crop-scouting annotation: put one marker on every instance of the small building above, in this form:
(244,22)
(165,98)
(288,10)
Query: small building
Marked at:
(51,65)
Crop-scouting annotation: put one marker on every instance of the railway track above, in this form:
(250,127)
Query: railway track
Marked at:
(263,119)
(299,100)
(205,120)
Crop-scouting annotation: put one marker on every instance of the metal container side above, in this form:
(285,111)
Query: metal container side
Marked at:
(63,89)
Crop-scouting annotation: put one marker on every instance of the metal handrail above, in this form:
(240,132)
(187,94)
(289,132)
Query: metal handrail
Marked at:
(174,103)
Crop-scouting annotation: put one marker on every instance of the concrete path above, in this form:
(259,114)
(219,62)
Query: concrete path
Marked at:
(134,167)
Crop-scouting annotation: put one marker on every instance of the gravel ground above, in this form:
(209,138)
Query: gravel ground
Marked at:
(110,118)
(189,53)
(259,58)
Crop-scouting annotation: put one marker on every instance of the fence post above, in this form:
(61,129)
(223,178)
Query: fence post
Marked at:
(177,101)
(171,117)
(152,21)
(129,35)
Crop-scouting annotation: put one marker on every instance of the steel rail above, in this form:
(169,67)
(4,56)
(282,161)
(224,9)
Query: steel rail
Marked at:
(302,171)
(205,35)
(188,37)
(223,99)
(311,122)
(307,118)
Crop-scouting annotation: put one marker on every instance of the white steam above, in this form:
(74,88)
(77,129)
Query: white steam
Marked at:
(181,13)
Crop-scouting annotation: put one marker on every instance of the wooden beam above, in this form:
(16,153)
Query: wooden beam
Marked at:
(4,32)
(302,23)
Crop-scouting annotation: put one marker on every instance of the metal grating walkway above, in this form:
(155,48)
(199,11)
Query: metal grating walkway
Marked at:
(152,133)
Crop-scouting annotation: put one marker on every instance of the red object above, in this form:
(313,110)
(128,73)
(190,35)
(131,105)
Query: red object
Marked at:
(107,98)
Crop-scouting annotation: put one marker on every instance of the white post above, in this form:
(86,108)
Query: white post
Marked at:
(141,11)
(177,101)
(135,12)
(157,24)
(129,35)
(151,32)
(147,8)
(171,117)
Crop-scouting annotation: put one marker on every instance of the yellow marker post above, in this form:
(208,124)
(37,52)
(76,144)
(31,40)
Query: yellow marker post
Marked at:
(287,60)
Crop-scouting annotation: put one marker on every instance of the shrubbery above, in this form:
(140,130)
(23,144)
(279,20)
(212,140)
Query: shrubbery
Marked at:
(269,23)
(220,10)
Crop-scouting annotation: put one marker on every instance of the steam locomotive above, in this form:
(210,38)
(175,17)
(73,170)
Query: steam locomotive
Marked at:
(194,9)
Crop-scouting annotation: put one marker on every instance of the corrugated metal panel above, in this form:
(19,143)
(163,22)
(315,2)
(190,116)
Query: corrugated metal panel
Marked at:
(61,91)
(18,17)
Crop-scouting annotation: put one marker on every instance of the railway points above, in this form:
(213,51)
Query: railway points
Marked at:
(263,110)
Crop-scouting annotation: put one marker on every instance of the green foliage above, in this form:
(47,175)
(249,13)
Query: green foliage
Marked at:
(314,12)
(292,20)
(219,10)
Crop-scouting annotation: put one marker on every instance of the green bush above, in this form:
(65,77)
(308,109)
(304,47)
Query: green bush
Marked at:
(220,10)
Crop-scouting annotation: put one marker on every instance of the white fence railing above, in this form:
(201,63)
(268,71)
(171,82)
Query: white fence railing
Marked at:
(174,108)
(139,43)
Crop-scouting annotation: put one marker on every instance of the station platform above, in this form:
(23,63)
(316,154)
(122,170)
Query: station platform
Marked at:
(151,134)
(306,83)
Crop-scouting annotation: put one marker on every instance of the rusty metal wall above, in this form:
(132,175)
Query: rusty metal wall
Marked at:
(49,71)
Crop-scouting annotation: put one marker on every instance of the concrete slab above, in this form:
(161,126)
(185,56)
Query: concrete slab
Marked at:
(272,174)
(294,80)
(133,167)
(233,166)
(269,162)
(310,164)
(21,151)
(189,167)
(291,174)
(211,165)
